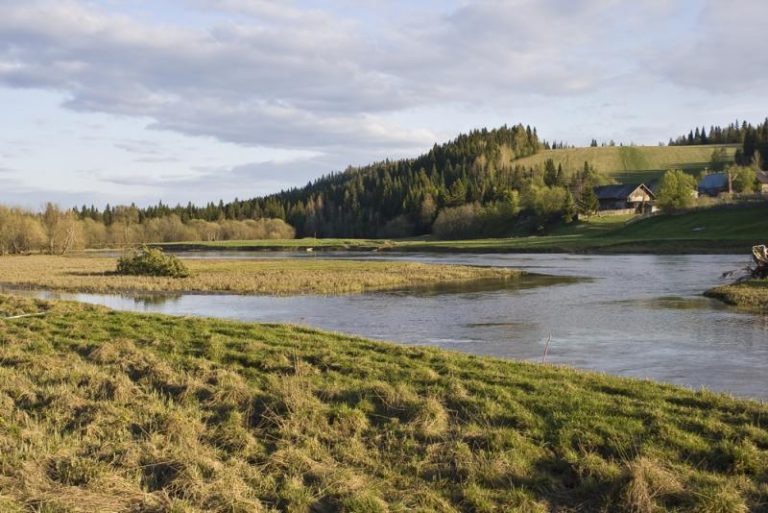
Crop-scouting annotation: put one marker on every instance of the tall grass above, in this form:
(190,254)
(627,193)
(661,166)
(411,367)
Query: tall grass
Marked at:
(108,411)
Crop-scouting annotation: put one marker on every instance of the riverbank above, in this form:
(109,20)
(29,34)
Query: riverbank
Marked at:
(116,411)
(722,230)
(272,276)
(751,294)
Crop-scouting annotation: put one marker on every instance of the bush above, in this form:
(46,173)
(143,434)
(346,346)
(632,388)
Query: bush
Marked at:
(151,262)
(457,222)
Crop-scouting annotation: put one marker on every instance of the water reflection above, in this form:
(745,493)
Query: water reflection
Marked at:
(527,281)
(678,303)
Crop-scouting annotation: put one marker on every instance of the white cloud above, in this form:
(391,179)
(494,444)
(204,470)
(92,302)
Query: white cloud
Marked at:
(250,84)
(293,77)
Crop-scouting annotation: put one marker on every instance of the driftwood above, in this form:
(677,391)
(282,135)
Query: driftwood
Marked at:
(760,257)
(758,269)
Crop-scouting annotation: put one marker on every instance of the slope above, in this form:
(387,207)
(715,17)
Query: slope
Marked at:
(630,163)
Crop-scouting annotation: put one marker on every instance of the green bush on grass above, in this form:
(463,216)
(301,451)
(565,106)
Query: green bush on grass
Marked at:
(151,262)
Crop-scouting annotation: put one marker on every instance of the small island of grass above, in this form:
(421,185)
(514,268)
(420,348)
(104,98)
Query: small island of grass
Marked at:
(752,294)
(268,276)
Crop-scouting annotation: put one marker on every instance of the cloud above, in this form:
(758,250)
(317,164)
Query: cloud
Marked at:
(303,86)
(277,74)
(723,52)
(209,183)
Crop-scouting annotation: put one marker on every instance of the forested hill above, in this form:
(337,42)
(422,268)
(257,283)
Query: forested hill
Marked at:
(484,183)
(402,197)
(390,198)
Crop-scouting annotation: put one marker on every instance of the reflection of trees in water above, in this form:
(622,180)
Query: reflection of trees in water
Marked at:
(155,299)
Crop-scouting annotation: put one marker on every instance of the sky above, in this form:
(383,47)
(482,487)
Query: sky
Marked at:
(107,101)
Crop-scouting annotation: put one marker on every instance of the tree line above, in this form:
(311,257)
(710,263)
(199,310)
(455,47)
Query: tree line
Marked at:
(58,231)
(753,141)
(473,182)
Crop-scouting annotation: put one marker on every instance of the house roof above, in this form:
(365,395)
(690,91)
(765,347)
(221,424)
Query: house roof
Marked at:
(714,181)
(619,191)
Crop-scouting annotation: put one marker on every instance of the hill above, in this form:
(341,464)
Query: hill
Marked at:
(110,411)
(486,183)
(631,164)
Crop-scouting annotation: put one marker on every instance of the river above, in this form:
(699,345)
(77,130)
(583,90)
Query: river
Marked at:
(636,315)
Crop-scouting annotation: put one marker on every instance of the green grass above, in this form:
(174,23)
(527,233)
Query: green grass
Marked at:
(630,164)
(708,230)
(111,411)
(752,295)
(269,276)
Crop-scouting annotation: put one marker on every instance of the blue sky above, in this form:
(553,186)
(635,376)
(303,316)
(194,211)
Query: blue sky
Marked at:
(178,100)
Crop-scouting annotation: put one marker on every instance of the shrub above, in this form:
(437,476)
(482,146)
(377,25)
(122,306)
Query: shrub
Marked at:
(457,222)
(151,262)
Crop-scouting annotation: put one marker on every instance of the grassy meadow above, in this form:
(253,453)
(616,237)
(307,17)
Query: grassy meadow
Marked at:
(270,276)
(752,295)
(631,164)
(111,411)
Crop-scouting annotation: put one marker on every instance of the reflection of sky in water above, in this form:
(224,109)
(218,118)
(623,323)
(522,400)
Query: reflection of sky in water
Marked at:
(639,315)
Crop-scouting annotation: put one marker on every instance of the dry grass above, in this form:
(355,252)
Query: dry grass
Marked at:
(105,411)
(270,276)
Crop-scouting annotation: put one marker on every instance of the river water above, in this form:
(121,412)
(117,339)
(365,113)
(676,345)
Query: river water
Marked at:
(636,315)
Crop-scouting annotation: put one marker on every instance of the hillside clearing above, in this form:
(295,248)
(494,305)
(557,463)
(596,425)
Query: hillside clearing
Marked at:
(630,164)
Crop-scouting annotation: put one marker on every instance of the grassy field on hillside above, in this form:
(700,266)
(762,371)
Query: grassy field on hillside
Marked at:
(751,294)
(271,276)
(119,412)
(630,164)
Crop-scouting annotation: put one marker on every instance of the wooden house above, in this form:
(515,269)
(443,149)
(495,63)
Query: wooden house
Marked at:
(762,181)
(625,199)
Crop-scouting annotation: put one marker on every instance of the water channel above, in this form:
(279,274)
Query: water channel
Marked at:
(635,315)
